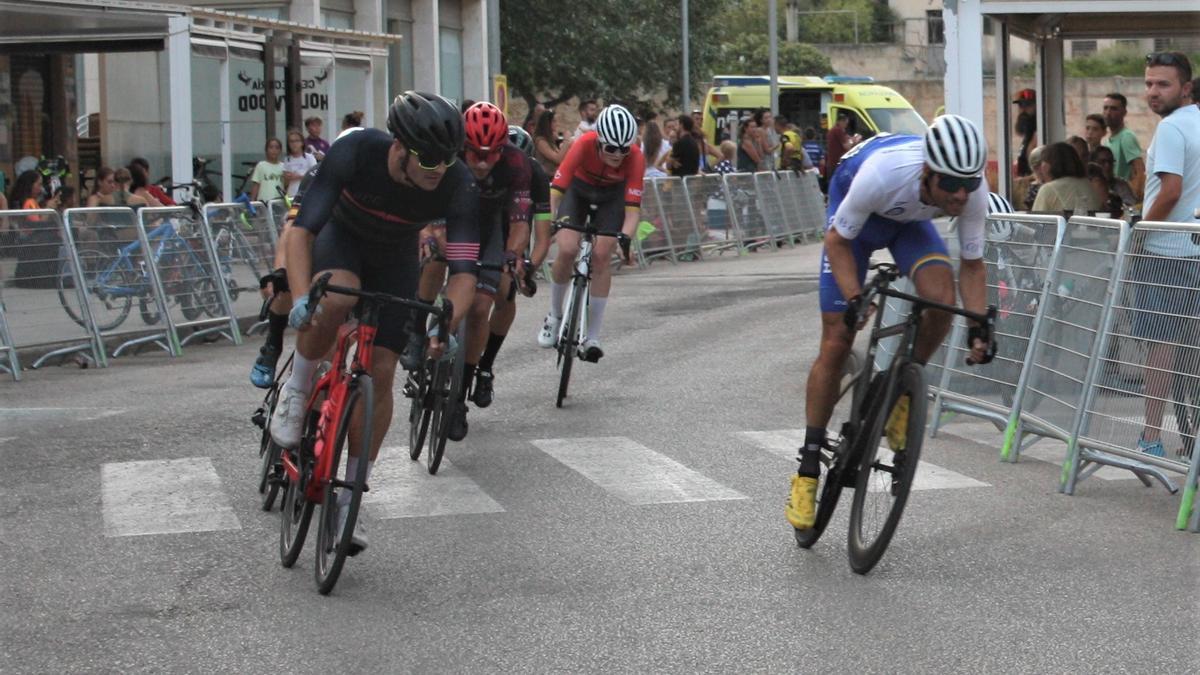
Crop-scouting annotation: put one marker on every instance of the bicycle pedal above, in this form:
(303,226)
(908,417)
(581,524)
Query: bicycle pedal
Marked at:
(259,418)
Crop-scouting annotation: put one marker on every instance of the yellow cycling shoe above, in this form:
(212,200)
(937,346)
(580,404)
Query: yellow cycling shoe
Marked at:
(802,505)
(896,428)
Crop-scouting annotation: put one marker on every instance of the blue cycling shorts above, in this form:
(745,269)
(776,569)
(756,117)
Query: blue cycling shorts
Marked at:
(912,245)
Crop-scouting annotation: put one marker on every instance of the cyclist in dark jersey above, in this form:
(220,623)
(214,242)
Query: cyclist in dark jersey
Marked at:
(603,167)
(505,311)
(362,219)
(501,173)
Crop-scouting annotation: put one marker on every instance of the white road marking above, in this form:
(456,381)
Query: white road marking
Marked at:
(73,414)
(634,473)
(784,442)
(164,496)
(402,488)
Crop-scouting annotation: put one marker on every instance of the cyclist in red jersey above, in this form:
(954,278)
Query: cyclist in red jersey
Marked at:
(603,167)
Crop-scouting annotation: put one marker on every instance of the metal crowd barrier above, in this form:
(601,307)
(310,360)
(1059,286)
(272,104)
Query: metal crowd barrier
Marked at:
(768,187)
(191,290)
(11,363)
(706,197)
(278,208)
(1019,254)
(741,199)
(245,249)
(1145,374)
(804,205)
(43,306)
(654,242)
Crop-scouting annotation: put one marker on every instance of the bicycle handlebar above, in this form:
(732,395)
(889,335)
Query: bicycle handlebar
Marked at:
(565,223)
(322,287)
(886,273)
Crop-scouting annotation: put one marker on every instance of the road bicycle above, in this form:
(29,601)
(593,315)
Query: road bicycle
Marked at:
(854,457)
(436,387)
(573,328)
(115,279)
(271,476)
(312,468)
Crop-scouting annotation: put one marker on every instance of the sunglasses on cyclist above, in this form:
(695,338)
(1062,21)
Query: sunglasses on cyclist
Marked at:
(955,183)
(432,163)
(490,156)
(615,149)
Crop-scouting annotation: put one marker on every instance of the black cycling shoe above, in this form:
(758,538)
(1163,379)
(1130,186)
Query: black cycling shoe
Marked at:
(414,351)
(458,423)
(483,393)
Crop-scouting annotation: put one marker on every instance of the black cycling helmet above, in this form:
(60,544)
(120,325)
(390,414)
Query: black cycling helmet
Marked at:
(427,124)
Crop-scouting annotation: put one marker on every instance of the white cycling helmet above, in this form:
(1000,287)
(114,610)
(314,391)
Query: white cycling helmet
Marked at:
(999,230)
(954,146)
(616,126)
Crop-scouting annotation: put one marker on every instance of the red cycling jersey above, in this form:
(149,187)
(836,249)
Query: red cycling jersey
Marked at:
(583,161)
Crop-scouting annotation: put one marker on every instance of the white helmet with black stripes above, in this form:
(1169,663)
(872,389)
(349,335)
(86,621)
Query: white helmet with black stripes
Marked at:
(616,126)
(954,146)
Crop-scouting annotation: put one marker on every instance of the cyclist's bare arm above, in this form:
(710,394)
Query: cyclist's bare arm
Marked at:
(840,256)
(298,245)
(972,284)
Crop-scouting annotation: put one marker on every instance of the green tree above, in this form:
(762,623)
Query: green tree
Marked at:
(609,49)
(875,20)
(748,54)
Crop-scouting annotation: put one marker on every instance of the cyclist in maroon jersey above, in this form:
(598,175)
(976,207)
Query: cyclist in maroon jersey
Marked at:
(603,167)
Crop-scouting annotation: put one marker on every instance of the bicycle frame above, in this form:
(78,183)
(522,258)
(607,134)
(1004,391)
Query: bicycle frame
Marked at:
(166,236)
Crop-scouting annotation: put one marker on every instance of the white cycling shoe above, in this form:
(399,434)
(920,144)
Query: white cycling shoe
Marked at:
(590,350)
(288,418)
(549,333)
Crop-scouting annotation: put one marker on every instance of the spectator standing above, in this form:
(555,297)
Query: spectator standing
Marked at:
(1103,158)
(1026,126)
(814,149)
(1126,149)
(792,154)
(768,140)
(267,182)
(36,241)
(1081,148)
(1093,131)
(728,157)
(749,152)
(531,120)
(298,162)
(546,149)
(587,117)
(26,191)
(1025,188)
(685,154)
(1170,289)
(317,146)
(837,142)
(1068,188)
(653,149)
(352,120)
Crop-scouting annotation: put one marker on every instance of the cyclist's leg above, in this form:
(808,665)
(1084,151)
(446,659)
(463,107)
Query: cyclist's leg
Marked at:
(503,314)
(609,218)
(263,372)
(921,255)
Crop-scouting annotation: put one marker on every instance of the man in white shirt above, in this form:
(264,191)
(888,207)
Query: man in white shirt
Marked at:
(1170,294)
(587,117)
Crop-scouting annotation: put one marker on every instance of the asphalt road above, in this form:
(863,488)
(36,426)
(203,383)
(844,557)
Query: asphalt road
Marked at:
(638,529)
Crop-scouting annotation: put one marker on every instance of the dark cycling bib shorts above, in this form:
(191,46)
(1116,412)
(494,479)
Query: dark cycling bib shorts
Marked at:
(610,215)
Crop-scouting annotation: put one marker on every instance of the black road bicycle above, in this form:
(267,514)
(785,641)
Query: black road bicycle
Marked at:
(854,458)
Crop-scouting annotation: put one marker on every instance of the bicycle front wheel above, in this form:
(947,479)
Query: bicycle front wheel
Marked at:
(335,530)
(108,287)
(419,412)
(885,474)
(449,388)
(568,346)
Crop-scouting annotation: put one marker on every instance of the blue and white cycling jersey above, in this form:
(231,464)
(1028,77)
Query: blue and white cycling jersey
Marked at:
(875,201)
(881,180)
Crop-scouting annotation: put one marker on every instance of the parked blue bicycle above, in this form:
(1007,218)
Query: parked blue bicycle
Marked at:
(113,279)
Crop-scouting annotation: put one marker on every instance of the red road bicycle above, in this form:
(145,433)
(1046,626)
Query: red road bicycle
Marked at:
(312,469)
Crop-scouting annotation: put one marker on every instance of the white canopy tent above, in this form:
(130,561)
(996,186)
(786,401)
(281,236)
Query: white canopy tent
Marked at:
(1046,23)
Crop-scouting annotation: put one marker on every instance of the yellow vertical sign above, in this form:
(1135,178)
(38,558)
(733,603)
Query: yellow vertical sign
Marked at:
(500,92)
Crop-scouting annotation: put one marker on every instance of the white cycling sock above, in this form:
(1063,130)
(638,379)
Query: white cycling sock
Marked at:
(303,370)
(595,316)
(351,474)
(558,292)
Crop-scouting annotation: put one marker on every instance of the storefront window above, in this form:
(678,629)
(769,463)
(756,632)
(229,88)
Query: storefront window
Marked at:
(248,128)
(351,87)
(452,64)
(316,70)
(400,58)
(206,111)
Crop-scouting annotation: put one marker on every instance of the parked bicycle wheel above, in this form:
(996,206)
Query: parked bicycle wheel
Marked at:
(109,287)
(838,465)
(333,533)
(448,389)
(885,476)
(568,344)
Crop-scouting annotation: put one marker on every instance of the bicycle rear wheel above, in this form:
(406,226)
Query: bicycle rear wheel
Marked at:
(419,412)
(568,346)
(297,509)
(271,474)
(101,278)
(333,537)
(838,463)
(885,477)
(449,389)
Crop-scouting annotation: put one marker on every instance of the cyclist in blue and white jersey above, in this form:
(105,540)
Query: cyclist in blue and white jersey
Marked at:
(884,194)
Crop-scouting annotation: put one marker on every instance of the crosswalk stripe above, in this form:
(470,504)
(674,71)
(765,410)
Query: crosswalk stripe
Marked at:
(164,496)
(784,442)
(634,473)
(401,488)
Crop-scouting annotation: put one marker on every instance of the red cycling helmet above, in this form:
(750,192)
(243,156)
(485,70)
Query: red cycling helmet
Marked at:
(487,130)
